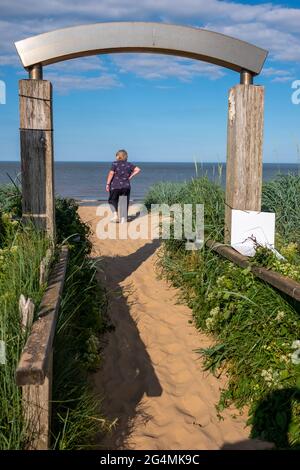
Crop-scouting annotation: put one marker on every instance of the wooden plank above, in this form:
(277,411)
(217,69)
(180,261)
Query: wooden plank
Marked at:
(34,361)
(36,143)
(244,151)
(37,407)
(284,284)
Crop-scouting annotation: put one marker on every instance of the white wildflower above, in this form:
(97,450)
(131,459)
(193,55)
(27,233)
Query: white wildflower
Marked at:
(284,358)
(214,312)
(210,296)
(271,377)
(296,344)
(280,316)
(209,323)
(295,357)
(267,375)
(220,280)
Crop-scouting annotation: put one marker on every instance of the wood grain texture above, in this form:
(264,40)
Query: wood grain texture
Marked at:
(34,361)
(37,408)
(36,143)
(35,104)
(244,151)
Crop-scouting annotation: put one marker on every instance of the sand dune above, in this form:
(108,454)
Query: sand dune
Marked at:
(152,378)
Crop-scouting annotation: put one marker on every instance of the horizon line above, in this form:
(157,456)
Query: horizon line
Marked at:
(153,161)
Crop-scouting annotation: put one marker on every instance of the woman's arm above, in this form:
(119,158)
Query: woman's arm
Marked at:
(135,172)
(108,180)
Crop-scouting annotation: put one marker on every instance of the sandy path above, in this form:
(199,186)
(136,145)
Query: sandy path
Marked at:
(151,377)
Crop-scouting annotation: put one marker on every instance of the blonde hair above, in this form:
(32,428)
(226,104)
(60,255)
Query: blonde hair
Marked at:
(122,155)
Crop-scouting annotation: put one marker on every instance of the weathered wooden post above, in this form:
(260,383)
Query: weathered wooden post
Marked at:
(36,135)
(35,368)
(244,148)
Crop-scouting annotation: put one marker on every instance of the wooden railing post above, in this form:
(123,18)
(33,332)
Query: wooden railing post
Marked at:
(37,407)
(36,141)
(34,371)
(244,151)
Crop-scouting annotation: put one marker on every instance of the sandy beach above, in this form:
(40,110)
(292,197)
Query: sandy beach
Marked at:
(151,377)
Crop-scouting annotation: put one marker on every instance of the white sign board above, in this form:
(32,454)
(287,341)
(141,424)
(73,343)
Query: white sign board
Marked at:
(248,227)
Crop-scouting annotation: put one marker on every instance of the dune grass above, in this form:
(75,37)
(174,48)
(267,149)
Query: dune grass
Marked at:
(195,191)
(282,196)
(22,249)
(76,417)
(255,331)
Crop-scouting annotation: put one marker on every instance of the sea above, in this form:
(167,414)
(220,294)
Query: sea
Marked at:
(85,181)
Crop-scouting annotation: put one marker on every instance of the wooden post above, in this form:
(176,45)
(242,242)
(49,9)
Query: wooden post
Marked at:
(244,151)
(36,134)
(34,371)
(37,408)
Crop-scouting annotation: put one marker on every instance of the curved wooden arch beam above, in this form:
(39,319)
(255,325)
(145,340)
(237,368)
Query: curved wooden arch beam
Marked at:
(106,38)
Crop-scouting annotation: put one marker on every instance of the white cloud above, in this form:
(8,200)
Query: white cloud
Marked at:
(84,64)
(283,46)
(282,79)
(152,66)
(65,83)
(278,75)
(271,26)
(271,72)
(7,59)
(202,10)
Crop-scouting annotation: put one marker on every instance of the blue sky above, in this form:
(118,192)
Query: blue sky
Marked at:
(159,108)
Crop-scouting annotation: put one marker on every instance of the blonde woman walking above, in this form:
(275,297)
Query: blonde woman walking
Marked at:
(118,183)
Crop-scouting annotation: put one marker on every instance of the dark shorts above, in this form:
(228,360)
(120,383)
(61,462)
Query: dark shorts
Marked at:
(114,195)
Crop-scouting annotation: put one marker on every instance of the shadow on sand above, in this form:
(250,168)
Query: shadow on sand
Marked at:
(127,373)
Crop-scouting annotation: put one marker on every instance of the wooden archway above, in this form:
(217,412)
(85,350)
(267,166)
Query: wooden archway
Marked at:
(245,115)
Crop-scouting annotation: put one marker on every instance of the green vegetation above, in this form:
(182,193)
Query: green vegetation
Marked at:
(76,412)
(282,196)
(196,191)
(10,200)
(77,417)
(289,266)
(22,249)
(255,331)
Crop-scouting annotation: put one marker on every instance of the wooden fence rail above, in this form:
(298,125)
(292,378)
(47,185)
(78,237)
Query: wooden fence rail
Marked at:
(34,371)
(284,284)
